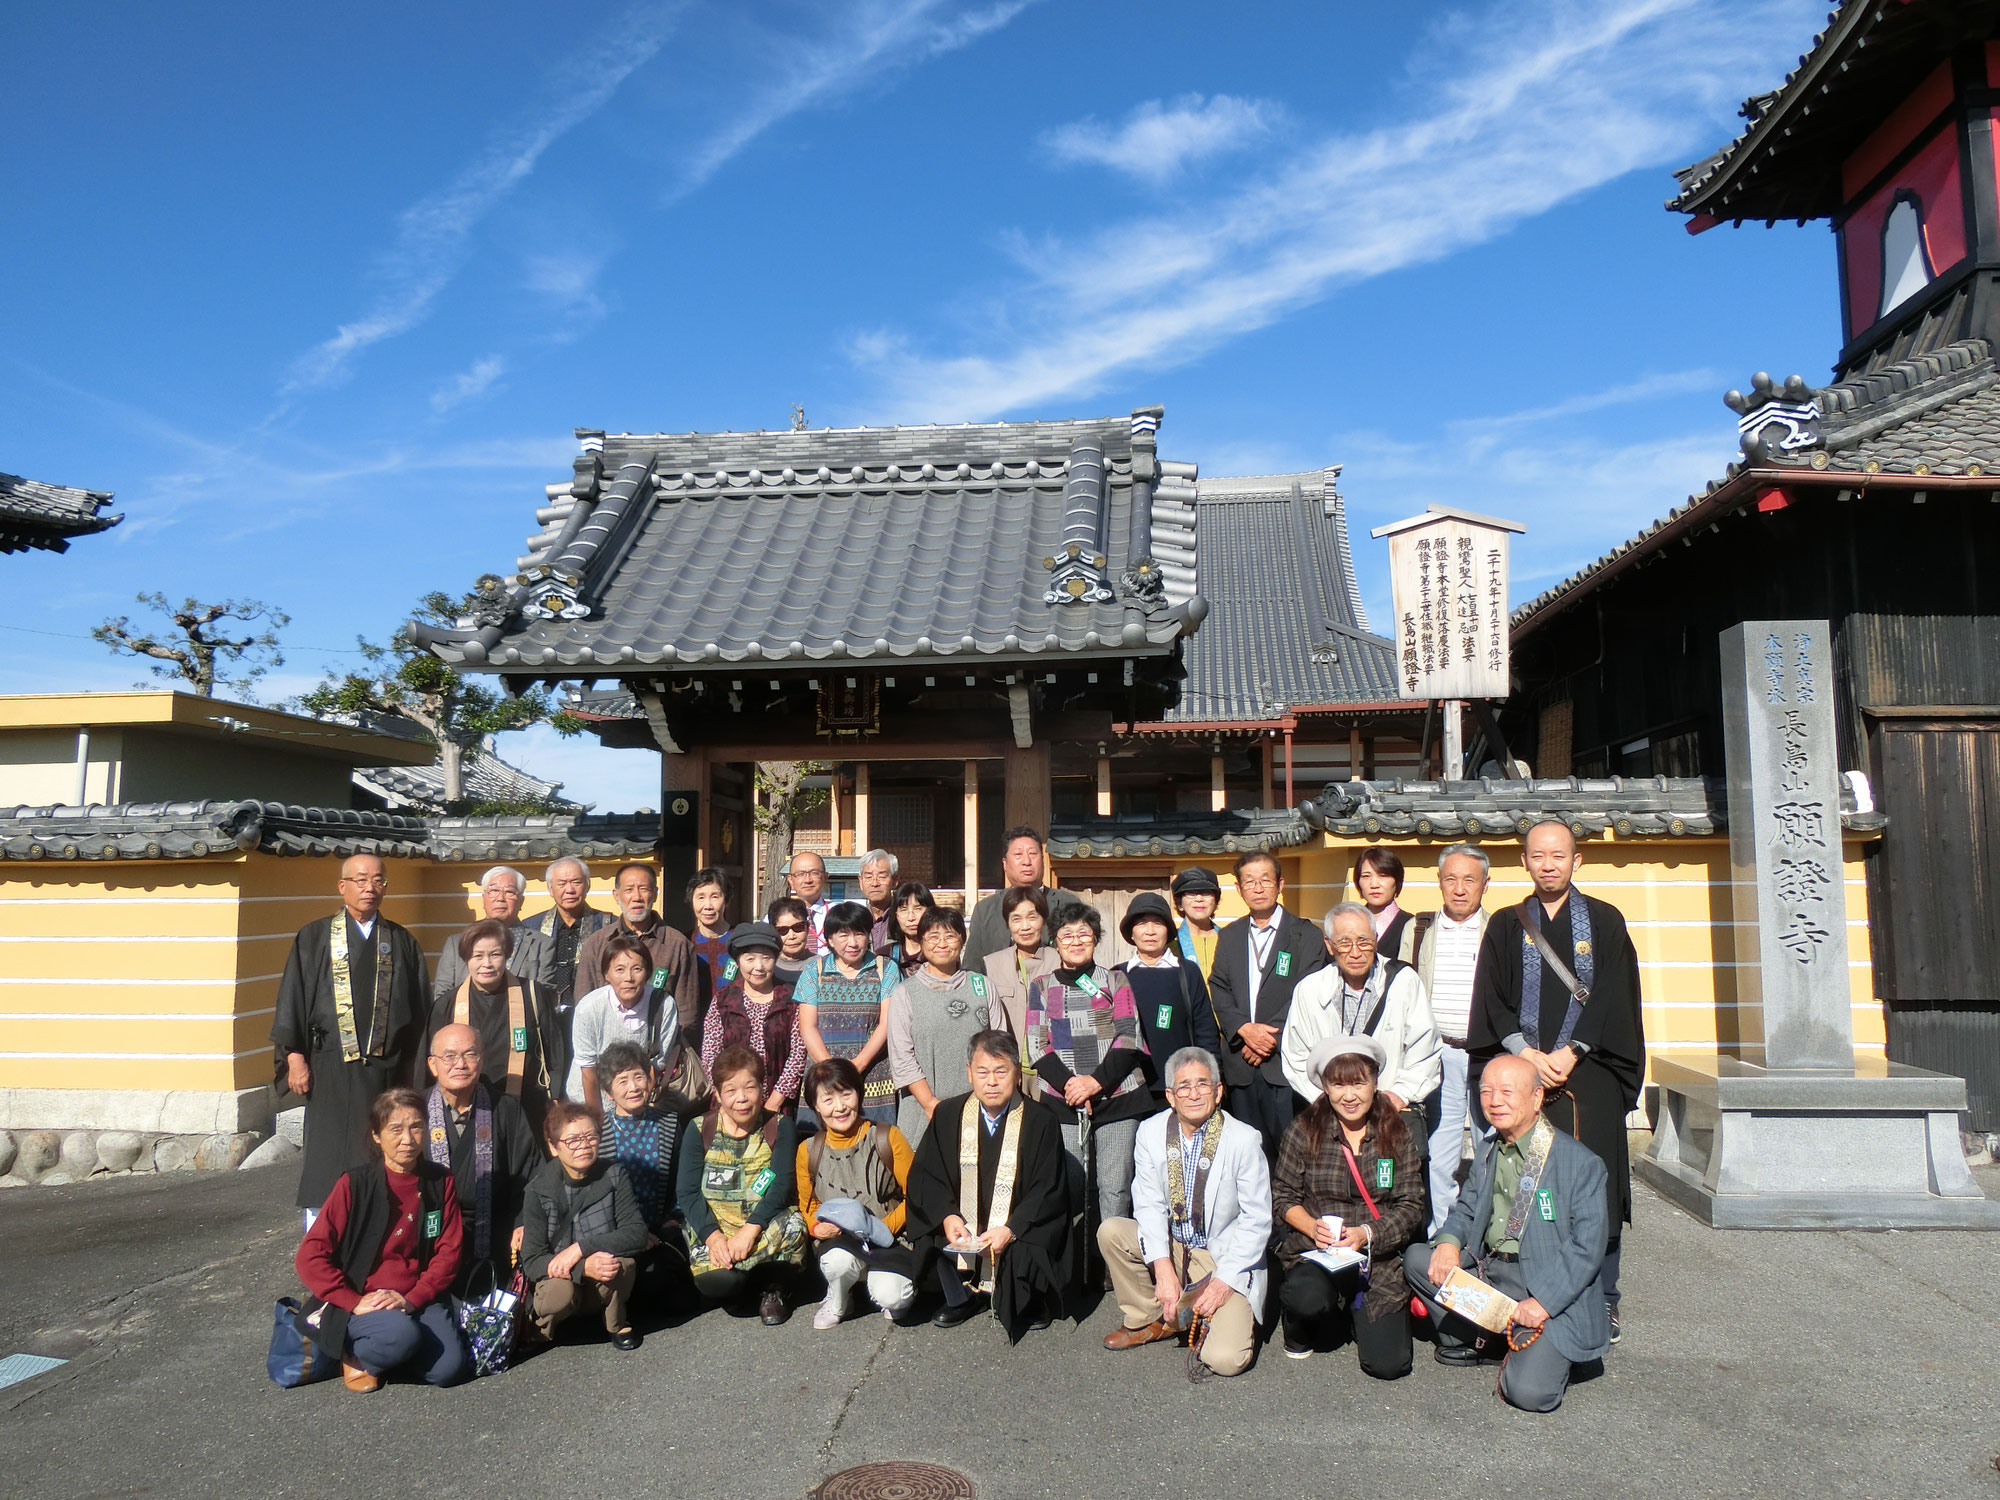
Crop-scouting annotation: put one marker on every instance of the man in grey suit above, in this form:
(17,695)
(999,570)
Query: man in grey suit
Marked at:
(1201,1221)
(501,892)
(1259,961)
(1531,1223)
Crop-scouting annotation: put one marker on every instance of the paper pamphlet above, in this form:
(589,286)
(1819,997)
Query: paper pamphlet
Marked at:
(1475,1301)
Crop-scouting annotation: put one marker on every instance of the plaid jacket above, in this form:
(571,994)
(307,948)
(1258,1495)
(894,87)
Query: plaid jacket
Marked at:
(1322,1184)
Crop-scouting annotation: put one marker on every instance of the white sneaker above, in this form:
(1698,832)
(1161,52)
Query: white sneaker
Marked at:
(829,1315)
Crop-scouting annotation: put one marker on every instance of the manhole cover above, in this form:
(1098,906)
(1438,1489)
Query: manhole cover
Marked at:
(895,1481)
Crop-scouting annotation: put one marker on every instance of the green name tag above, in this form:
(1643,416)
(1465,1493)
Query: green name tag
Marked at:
(1547,1205)
(659,979)
(1385,1173)
(1164,1019)
(1088,985)
(520,1039)
(728,970)
(433,1224)
(978,984)
(1284,965)
(761,1183)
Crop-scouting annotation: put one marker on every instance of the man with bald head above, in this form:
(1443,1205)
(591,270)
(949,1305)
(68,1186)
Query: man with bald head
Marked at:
(1557,985)
(349,1024)
(806,876)
(484,1140)
(1530,1224)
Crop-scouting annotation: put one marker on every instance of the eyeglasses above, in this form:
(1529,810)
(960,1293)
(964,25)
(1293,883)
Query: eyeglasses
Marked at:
(1353,945)
(453,1059)
(786,929)
(577,1142)
(1193,1090)
(371,882)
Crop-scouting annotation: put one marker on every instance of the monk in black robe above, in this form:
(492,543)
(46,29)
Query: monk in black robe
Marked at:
(339,1046)
(1591,1058)
(458,1106)
(1024,1252)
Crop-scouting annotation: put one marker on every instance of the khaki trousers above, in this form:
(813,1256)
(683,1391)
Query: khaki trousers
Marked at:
(557,1297)
(1232,1332)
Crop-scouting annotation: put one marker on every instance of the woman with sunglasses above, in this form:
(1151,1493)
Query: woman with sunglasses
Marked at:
(791,919)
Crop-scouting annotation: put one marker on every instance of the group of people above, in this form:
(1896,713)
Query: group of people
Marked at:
(1258,1123)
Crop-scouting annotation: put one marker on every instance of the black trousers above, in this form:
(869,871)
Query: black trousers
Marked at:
(1266,1107)
(1318,1312)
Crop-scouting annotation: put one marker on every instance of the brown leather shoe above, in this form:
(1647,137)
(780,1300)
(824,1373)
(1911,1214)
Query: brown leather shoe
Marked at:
(357,1379)
(1132,1338)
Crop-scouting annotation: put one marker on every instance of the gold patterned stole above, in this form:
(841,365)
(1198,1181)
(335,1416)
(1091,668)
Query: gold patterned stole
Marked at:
(517,1030)
(351,1049)
(969,1128)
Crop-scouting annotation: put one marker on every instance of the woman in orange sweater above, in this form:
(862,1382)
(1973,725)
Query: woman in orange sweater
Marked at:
(852,1177)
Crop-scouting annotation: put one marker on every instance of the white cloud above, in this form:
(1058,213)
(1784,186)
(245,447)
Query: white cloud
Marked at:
(432,234)
(868,41)
(1545,104)
(1157,140)
(468,383)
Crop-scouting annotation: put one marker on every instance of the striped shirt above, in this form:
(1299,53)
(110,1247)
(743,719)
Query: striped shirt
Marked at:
(1455,955)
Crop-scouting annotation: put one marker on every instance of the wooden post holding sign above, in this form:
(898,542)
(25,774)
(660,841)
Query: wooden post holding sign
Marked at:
(1448,573)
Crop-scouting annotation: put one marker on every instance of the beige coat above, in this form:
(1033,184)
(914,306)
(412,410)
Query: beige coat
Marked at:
(1003,977)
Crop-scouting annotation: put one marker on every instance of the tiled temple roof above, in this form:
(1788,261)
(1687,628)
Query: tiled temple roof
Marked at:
(43,517)
(1233,832)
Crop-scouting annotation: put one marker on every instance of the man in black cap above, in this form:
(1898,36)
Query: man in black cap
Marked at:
(1172,995)
(1196,895)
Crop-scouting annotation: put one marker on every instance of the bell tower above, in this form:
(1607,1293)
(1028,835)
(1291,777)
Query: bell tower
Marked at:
(1886,129)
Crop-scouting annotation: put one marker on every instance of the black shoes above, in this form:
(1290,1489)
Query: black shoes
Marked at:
(625,1338)
(952,1314)
(771,1309)
(1480,1353)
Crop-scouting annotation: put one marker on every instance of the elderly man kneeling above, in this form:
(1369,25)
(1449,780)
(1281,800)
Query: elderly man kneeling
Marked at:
(1201,1204)
(1531,1223)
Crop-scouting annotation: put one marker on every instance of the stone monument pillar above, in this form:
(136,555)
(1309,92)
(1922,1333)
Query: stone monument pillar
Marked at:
(1792,997)
(1794,1133)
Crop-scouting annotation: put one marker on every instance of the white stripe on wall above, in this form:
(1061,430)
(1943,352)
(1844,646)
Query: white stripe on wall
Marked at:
(264,1051)
(185,1015)
(114,983)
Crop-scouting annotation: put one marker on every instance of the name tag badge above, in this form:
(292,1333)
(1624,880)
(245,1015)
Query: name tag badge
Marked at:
(433,1224)
(1164,1018)
(520,1039)
(1385,1173)
(659,978)
(761,1183)
(1547,1205)
(978,984)
(1284,965)
(1088,985)
(728,970)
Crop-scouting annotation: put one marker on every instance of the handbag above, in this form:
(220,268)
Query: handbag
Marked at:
(687,1089)
(297,1356)
(491,1323)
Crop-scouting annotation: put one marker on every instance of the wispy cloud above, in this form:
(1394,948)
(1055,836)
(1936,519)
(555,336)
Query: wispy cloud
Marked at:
(433,234)
(1157,140)
(862,44)
(567,281)
(1533,108)
(468,383)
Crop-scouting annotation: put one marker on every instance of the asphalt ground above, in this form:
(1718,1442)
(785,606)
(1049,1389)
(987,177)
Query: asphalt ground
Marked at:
(1754,1364)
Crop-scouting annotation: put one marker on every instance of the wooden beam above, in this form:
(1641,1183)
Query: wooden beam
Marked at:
(865,750)
(861,844)
(1354,757)
(1269,752)
(971,835)
(1291,797)
(833,812)
(1027,799)
(1218,793)
(1104,786)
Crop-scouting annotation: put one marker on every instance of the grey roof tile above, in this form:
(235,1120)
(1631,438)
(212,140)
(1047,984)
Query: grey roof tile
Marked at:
(45,516)
(1234,832)
(486,778)
(1655,806)
(917,544)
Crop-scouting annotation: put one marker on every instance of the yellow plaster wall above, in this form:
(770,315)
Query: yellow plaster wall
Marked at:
(1675,897)
(164,974)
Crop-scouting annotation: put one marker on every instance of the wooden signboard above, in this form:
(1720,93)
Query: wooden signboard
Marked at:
(1448,571)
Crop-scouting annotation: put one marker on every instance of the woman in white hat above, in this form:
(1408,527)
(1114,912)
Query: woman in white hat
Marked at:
(1349,1186)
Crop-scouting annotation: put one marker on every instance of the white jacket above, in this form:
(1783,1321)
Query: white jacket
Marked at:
(1401,1022)
(1236,1209)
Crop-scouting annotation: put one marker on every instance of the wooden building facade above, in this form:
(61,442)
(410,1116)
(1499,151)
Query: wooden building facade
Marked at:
(1872,502)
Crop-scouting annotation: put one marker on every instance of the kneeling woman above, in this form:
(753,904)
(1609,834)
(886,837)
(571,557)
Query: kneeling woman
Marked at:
(852,1179)
(1351,1155)
(382,1253)
(737,1187)
(583,1230)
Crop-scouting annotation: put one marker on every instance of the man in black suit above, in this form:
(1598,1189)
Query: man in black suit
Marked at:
(1259,961)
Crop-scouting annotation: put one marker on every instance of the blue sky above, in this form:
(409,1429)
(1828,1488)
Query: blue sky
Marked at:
(320,293)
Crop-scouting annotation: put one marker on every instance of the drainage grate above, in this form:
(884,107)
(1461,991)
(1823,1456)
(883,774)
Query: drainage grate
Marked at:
(18,1367)
(895,1481)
